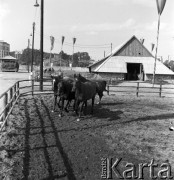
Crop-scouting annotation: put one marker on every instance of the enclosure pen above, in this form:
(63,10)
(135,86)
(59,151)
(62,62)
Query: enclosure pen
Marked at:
(11,96)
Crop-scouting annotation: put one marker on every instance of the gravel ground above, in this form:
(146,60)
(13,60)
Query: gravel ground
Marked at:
(38,144)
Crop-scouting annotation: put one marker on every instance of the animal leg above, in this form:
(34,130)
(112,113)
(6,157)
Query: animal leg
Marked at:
(62,106)
(100,97)
(77,103)
(84,111)
(55,102)
(81,109)
(74,104)
(58,104)
(92,104)
(67,104)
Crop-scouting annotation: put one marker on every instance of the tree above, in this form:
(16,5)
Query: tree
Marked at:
(169,64)
(84,59)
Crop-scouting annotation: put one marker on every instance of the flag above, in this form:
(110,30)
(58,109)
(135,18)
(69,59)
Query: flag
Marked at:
(52,42)
(74,40)
(160,5)
(142,41)
(63,38)
(152,46)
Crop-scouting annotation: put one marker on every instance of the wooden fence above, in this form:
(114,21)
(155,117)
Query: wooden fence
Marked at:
(135,87)
(10,97)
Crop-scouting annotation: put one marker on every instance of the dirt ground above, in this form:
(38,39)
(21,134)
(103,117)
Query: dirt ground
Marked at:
(38,144)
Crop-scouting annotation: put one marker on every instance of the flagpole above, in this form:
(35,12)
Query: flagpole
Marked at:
(50,58)
(156,49)
(61,57)
(63,38)
(74,40)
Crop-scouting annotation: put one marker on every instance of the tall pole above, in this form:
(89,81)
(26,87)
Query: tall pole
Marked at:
(28,55)
(74,40)
(61,57)
(111,48)
(32,55)
(72,56)
(41,45)
(160,7)
(63,38)
(156,49)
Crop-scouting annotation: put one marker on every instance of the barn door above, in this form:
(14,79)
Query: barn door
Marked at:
(135,71)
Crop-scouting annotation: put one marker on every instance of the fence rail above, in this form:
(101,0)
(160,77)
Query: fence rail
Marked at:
(139,89)
(10,97)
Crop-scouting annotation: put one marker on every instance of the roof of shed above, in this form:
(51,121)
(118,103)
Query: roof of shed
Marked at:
(117,49)
(118,64)
(8,57)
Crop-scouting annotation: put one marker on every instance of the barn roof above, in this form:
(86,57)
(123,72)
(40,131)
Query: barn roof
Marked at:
(118,64)
(117,61)
(118,48)
(8,57)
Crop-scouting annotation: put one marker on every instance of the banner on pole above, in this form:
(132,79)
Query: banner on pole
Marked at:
(142,41)
(63,38)
(52,42)
(74,41)
(152,46)
(160,5)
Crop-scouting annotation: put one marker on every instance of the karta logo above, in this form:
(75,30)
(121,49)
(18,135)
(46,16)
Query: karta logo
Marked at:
(113,169)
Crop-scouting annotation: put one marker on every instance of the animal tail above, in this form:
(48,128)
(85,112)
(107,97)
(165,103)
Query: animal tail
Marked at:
(105,86)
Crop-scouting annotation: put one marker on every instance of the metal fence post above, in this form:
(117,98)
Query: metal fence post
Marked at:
(11,95)
(18,88)
(137,89)
(32,86)
(160,90)
(5,104)
(14,92)
(108,89)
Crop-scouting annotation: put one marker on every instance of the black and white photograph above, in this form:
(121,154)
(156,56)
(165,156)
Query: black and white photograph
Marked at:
(86,89)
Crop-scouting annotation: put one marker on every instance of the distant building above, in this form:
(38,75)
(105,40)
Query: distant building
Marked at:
(4,49)
(15,54)
(130,61)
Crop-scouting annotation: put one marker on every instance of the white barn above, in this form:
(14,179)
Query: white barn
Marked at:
(130,61)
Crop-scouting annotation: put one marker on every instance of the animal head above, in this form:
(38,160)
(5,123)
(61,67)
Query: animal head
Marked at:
(60,88)
(55,81)
(76,84)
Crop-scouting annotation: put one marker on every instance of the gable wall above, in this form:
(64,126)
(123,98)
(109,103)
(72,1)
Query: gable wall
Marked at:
(133,48)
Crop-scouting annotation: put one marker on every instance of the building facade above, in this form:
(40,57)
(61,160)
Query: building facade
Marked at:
(131,61)
(4,49)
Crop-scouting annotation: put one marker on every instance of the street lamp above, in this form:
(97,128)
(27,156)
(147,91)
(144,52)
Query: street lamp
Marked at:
(32,55)
(36,5)
(41,41)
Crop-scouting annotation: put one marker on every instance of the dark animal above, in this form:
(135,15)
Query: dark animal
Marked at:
(55,81)
(49,70)
(62,87)
(101,85)
(64,91)
(84,91)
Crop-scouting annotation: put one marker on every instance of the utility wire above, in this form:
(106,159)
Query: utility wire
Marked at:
(77,45)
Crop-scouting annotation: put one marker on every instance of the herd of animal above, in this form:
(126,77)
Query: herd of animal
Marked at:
(77,89)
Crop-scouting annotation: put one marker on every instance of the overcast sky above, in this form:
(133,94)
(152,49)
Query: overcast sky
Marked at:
(95,23)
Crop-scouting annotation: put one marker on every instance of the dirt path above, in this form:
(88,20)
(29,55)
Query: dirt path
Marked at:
(38,144)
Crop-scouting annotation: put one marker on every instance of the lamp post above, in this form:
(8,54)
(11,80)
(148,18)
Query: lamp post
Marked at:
(32,55)
(41,41)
